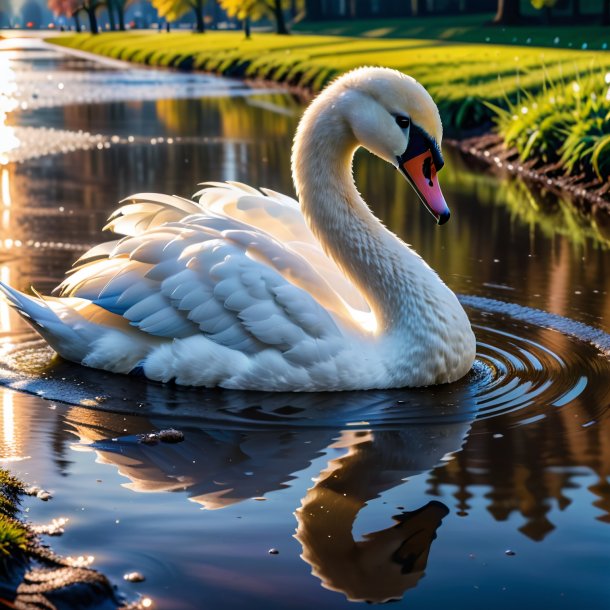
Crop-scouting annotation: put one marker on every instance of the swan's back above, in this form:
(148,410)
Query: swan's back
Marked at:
(237,277)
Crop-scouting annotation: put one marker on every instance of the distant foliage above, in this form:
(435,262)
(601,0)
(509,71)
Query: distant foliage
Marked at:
(244,9)
(540,4)
(567,123)
(253,10)
(174,9)
(63,7)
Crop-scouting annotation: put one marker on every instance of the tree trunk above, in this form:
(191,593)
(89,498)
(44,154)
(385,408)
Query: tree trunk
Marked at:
(419,8)
(92,20)
(279,17)
(110,11)
(76,21)
(576,9)
(198,8)
(293,9)
(548,15)
(167,27)
(509,12)
(247,27)
(606,13)
(120,9)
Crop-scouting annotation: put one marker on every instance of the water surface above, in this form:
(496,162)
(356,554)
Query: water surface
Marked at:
(372,496)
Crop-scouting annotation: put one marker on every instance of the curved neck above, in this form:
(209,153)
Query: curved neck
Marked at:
(383,268)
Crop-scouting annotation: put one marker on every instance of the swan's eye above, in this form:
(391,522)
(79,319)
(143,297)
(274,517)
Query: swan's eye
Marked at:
(403,121)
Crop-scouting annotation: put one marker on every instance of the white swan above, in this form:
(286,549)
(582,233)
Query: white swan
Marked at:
(247,290)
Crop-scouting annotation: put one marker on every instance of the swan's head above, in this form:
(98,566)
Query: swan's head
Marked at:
(393,116)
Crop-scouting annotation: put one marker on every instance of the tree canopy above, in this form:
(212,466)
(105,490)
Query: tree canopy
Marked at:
(174,9)
(253,10)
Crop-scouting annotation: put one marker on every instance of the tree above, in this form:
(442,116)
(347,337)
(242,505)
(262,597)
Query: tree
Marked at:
(546,6)
(246,10)
(606,13)
(509,12)
(174,9)
(120,7)
(252,10)
(90,8)
(110,11)
(419,8)
(71,8)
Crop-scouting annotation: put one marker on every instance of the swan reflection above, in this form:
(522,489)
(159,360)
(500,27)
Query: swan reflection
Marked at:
(278,436)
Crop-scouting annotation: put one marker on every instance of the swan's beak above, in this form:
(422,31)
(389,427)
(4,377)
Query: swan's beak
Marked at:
(420,163)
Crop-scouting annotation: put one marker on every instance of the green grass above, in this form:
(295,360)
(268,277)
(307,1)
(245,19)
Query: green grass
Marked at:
(14,535)
(567,123)
(461,77)
(467,28)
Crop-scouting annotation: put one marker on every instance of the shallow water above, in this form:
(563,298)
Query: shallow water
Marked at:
(370,496)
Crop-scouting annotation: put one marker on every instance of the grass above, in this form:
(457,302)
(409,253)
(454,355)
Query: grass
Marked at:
(467,28)
(567,123)
(460,76)
(14,535)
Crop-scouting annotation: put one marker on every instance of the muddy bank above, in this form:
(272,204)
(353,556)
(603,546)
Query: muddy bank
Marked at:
(32,576)
(590,197)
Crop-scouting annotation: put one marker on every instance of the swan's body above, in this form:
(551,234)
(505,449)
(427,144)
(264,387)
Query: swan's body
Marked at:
(248,290)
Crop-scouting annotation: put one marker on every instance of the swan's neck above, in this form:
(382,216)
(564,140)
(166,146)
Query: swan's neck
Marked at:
(392,278)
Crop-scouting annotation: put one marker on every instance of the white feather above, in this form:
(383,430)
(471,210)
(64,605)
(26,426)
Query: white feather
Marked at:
(247,289)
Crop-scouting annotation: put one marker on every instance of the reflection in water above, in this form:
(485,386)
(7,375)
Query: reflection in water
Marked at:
(540,400)
(220,467)
(385,563)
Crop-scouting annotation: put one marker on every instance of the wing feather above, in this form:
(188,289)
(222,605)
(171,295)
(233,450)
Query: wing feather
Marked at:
(240,266)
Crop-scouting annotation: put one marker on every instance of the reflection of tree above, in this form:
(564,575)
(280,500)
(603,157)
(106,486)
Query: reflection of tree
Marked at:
(533,466)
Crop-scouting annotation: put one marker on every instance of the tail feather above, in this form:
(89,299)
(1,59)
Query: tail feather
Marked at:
(34,309)
(80,331)
(52,319)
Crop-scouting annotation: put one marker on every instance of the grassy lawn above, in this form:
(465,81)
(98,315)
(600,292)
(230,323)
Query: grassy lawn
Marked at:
(468,28)
(460,76)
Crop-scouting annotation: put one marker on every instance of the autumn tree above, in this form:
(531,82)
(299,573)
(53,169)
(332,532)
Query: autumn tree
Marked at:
(174,9)
(72,8)
(64,8)
(252,10)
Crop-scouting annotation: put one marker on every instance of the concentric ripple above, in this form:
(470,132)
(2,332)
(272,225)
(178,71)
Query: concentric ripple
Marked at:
(526,368)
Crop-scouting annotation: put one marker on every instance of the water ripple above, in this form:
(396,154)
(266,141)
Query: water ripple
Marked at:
(529,363)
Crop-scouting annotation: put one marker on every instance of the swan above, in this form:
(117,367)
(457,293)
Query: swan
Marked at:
(248,289)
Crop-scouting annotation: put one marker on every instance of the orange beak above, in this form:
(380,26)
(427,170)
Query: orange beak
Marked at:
(420,163)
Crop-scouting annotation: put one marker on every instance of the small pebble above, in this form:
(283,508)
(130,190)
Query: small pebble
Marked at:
(273,552)
(164,436)
(509,552)
(170,436)
(44,495)
(134,577)
(148,439)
